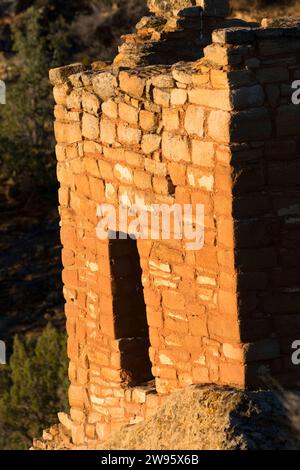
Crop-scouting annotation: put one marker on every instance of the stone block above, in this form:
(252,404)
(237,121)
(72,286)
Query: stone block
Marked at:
(219,126)
(202,153)
(132,84)
(128,113)
(175,147)
(104,85)
(90,126)
(148,120)
(150,143)
(194,120)
(129,135)
(107,131)
(219,99)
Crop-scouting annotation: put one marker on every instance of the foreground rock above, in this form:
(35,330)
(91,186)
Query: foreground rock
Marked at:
(210,418)
(205,418)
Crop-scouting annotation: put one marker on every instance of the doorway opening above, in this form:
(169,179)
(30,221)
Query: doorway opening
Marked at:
(130,319)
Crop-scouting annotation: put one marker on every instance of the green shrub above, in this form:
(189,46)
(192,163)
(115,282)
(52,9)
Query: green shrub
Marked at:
(26,129)
(33,388)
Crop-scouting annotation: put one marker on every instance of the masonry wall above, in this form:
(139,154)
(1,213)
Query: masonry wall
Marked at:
(221,132)
(264,134)
(144,136)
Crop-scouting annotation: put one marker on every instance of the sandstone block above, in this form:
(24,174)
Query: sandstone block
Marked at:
(177,172)
(148,121)
(132,84)
(128,113)
(247,97)
(175,147)
(129,135)
(219,126)
(157,168)
(104,85)
(219,99)
(215,7)
(123,173)
(150,143)
(134,159)
(90,103)
(202,153)
(160,185)
(107,131)
(67,132)
(233,351)
(235,35)
(161,97)
(263,349)
(288,119)
(74,99)
(178,97)
(90,126)
(194,120)
(110,109)
(163,81)
(142,180)
(61,74)
(170,118)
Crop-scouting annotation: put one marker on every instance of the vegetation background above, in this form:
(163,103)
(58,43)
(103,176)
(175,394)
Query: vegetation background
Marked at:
(36,35)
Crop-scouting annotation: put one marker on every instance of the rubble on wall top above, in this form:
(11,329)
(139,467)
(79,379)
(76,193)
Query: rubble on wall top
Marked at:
(60,74)
(174,38)
(287,21)
(175,30)
(270,28)
(189,7)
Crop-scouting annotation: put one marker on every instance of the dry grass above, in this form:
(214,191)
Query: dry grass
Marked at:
(212,418)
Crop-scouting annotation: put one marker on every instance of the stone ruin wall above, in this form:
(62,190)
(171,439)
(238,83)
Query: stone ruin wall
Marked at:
(220,131)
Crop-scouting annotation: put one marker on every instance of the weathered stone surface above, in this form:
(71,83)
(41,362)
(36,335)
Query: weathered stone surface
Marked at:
(194,120)
(128,113)
(90,126)
(178,97)
(202,153)
(150,143)
(132,84)
(175,147)
(219,99)
(61,74)
(219,126)
(107,131)
(163,81)
(110,108)
(148,120)
(104,85)
(129,135)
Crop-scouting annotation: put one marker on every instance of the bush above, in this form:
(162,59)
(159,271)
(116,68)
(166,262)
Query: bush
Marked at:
(33,388)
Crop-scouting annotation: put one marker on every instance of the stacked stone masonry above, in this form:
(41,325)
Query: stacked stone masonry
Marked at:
(221,131)
(175,30)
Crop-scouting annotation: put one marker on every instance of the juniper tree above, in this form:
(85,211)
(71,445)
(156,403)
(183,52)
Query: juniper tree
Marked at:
(33,388)
(26,135)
